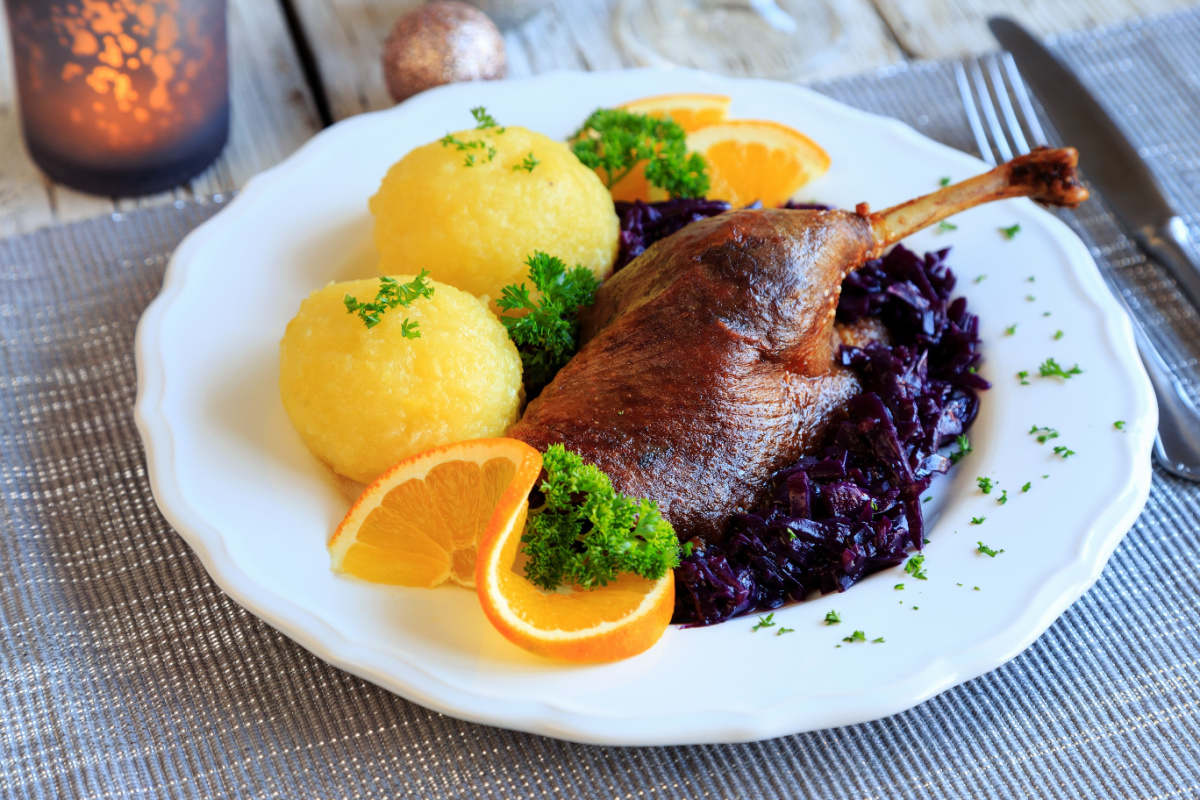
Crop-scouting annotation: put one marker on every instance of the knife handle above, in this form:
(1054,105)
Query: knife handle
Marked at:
(1170,245)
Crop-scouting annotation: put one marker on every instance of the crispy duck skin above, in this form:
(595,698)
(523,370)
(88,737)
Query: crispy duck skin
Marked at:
(707,364)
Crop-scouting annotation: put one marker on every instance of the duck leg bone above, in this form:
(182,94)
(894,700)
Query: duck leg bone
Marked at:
(1047,176)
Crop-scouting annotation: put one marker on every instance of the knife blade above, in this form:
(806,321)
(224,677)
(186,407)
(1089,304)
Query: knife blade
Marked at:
(1106,156)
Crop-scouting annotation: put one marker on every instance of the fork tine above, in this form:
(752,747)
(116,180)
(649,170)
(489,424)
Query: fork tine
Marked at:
(968,101)
(989,112)
(1023,100)
(1000,91)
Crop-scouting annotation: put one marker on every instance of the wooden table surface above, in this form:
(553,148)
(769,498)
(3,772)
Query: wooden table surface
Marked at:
(278,104)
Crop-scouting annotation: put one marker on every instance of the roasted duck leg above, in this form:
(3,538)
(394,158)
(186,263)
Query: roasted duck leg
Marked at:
(707,363)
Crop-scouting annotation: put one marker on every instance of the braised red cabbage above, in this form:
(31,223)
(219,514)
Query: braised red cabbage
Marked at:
(855,509)
(643,224)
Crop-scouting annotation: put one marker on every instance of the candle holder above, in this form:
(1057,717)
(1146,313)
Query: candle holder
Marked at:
(121,97)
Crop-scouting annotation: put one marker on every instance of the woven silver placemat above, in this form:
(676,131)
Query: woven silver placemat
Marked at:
(124,672)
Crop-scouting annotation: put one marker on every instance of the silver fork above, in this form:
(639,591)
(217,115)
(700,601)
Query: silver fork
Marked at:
(1002,118)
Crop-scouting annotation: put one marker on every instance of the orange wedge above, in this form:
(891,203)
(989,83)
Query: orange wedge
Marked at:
(752,160)
(613,622)
(420,523)
(690,111)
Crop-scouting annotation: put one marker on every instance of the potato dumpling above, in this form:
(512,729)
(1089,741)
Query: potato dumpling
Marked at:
(364,398)
(474,226)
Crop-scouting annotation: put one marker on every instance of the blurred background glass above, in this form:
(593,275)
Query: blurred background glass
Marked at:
(780,39)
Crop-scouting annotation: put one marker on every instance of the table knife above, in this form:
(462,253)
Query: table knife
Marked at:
(1113,165)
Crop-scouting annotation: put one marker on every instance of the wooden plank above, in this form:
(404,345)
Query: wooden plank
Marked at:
(946,28)
(347,39)
(272,115)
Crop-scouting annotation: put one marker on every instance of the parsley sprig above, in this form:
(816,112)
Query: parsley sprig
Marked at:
(1043,434)
(586,534)
(915,566)
(764,622)
(392,294)
(964,447)
(615,141)
(548,335)
(528,164)
(484,120)
(1051,368)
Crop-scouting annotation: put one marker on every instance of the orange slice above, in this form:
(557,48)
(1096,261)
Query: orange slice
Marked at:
(613,622)
(690,111)
(752,160)
(419,523)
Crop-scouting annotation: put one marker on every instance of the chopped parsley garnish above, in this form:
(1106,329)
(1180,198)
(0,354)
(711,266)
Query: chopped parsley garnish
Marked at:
(987,551)
(782,631)
(1003,498)
(484,120)
(392,294)
(1051,368)
(1010,330)
(964,447)
(1031,279)
(979,278)
(832,618)
(473,144)
(586,534)
(1045,313)
(926,499)
(686,549)
(915,567)
(877,641)
(615,141)
(946,227)
(1027,486)
(944,182)
(977,520)
(1043,434)
(1023,376)
(857,636)
(1065,452)
(1119,424)
(898,587)
(528,164)
(1011,231)
(1030,298)
(548,335)
(764,622)
(985,485)
(1058,335)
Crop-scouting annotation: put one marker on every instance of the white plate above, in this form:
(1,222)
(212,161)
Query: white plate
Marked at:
(233,478)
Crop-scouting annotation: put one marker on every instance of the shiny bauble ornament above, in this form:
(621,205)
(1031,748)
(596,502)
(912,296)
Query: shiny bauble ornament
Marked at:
(438,43)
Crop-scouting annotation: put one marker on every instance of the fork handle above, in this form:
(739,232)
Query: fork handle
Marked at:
(1170,245)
